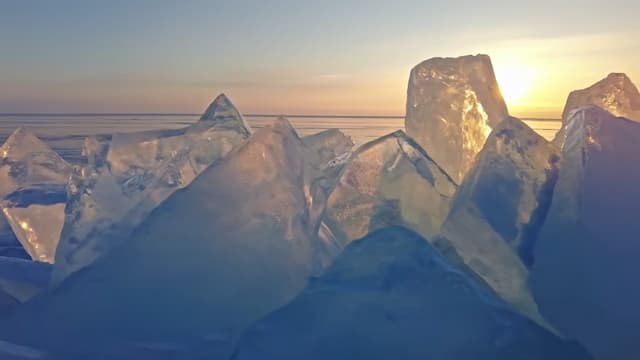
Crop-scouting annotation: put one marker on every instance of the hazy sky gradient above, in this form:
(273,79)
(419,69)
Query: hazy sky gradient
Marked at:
(320,57)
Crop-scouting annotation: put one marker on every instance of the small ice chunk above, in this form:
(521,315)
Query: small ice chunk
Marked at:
(124,178)
(33,180)
(452,105)
(391,295)
(326,148)
(389,181)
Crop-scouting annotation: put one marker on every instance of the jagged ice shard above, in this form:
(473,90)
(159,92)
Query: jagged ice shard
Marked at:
(389,181)
(33,181)
(210,260)
(391,295)
(452,105)
(326,153)
(500,207)
(125,178)
(585,277)
(615,94)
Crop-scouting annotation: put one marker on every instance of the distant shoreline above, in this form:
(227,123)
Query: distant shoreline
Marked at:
(302,116)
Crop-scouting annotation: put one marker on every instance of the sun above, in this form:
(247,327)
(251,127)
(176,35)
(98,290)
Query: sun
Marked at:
(514,82)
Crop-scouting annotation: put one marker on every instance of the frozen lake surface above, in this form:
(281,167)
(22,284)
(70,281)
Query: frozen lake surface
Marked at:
(65,133)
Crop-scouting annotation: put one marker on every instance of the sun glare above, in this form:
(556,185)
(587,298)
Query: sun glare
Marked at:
(515,82)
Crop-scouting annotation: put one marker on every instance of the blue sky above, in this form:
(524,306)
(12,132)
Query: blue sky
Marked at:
(322,57)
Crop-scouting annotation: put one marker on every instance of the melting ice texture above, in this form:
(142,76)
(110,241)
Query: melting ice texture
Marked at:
(392,295)
(452,105)
(33,180)
(125,178)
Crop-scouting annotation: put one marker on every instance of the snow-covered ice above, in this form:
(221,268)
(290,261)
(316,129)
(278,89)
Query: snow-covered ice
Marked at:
(389,181)
(123,179)
(391,295)
(452,105)
(585,275)
(33,180)
(500,207)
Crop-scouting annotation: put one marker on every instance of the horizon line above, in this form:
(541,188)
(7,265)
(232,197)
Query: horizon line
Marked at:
(309,116)
(198,114)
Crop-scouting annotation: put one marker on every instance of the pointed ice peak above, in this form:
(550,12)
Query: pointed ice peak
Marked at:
(221,105)
(384,251)
(33,181)
(583,128)
(242,223)
(124,177)
(22,142)
(511,122)
(389,181)
(616,94)
(619,80)
(281,126)
(514,129)
(222,111)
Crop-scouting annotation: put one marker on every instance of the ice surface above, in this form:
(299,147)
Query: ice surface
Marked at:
(392,296)
(9,351)
(33,180)
(615,94)
(21,278)
(9,244)
(452,105)
(6,301)
(500,207)
(210,260)
(389,181)
(125,178)
(585,277)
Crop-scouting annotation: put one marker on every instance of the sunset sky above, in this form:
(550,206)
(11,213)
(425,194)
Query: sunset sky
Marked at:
(310,57)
